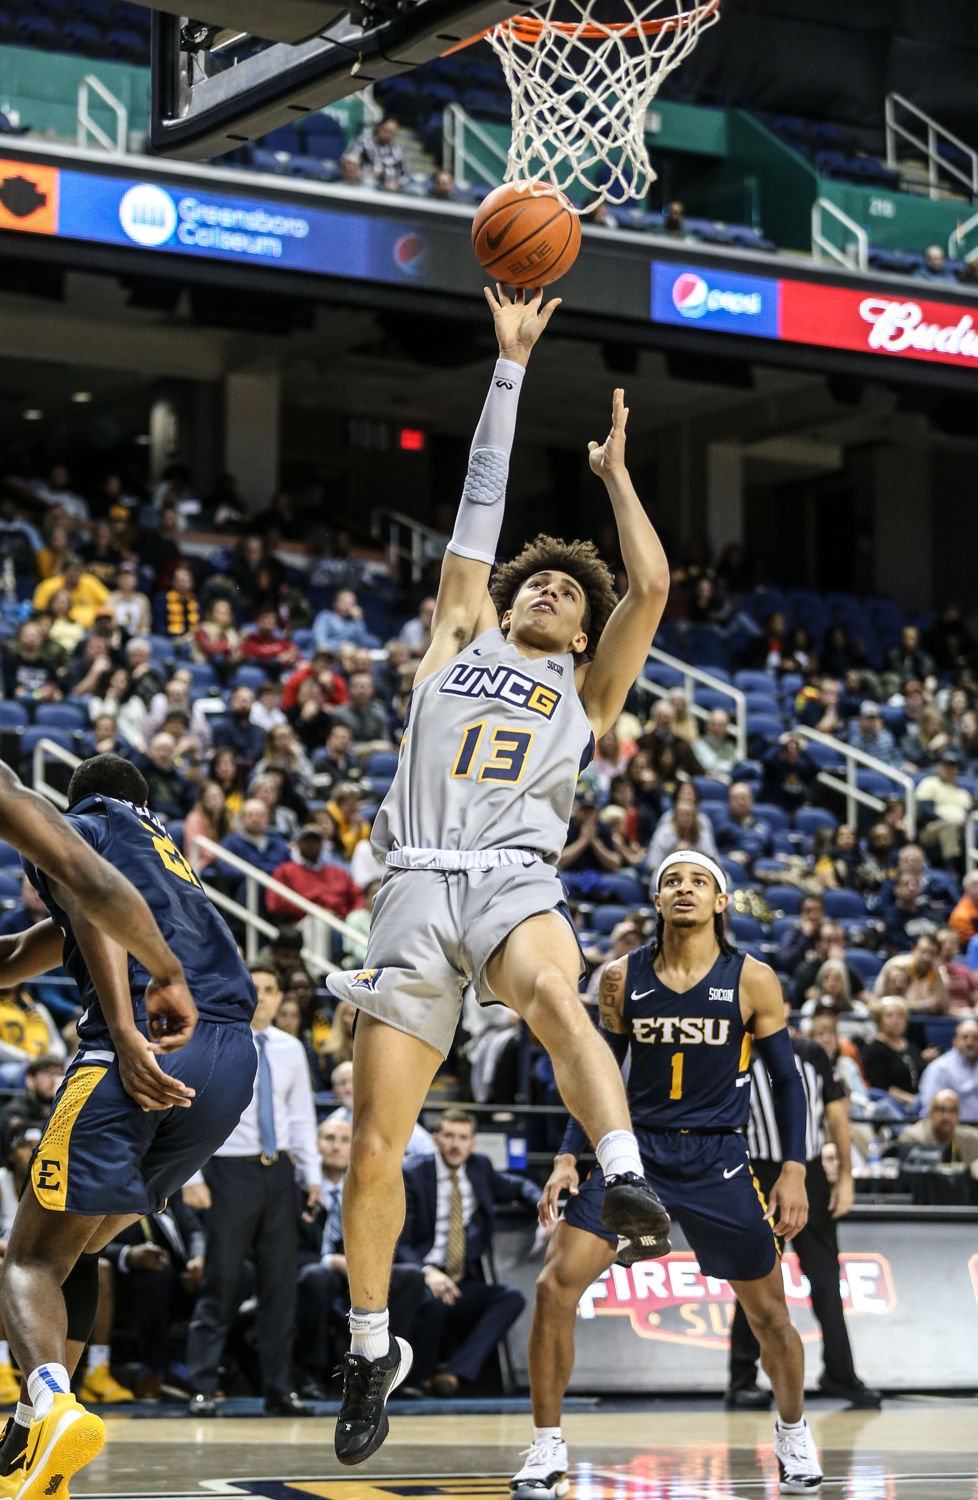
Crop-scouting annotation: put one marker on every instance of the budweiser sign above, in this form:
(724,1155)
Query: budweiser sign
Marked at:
(878,323)
(897,326)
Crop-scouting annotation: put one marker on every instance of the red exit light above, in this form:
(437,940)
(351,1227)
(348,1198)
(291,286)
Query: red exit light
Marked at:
(411,440)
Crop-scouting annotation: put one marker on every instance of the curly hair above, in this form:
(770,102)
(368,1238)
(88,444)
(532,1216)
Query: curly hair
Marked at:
(580,560)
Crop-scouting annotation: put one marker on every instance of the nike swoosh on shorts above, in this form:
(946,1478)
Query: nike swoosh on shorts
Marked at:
(734,1170)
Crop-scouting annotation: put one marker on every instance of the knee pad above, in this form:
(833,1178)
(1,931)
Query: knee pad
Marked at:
(80,1292)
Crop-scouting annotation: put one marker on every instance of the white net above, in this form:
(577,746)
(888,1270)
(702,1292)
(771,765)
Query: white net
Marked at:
(582,87)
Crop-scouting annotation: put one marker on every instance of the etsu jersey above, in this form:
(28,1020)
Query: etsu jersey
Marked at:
(134,842)
(491,755)
(689,1054)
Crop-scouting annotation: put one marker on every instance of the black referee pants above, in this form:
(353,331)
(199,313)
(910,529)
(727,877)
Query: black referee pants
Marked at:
(817,1248)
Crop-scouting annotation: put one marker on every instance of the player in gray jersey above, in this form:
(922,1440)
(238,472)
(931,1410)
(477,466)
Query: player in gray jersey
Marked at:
(519,681)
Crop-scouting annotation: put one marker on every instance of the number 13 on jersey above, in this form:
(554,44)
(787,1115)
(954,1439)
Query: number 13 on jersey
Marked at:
(509,747)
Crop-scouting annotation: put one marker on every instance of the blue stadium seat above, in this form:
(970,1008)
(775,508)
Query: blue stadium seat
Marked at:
(763,729)
(824,756)
(781,926)
(756,682)
(844,903)
(866,964)
(203,678)
(811,819)
(748,770)
(8,855)
(604,919)
(784,898)
(762,703)
(875,783)
(670,677)
(31,736)
(745,928)
(774,816)
(10,887)
(791,684)
(249,676)
(13,714)
(710,698)
(710,790)
(61,715)
(175,829)
(381,765)
(737,876)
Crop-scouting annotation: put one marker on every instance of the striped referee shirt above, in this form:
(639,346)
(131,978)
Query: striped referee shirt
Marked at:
(821,1087)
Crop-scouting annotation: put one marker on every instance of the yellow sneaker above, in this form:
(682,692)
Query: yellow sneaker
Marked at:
(57,1447)
(10,1484)
(9,1386)
(100,1387)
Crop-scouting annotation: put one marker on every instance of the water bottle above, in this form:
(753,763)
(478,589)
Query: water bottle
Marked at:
(516,1153)
(873,1158)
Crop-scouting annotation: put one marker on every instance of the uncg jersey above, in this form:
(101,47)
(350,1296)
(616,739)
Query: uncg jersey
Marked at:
(135,842)
(491,754)
(689,1055)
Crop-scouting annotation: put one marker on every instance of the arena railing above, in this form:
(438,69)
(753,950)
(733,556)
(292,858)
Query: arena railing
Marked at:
(854,794)
(692,675)
(971,842)
(855,253)
(468,151)
(418,545)
(317,931)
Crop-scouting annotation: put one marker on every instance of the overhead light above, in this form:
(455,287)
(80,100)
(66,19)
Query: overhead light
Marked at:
(143,440)
(81,397)
(32,414)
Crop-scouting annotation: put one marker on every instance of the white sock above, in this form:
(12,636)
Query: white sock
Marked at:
(551,1434)
(792,1426)
(98,1354)
(369,1332)
(43,1384)
(24,1415)
(4,1352)
(617,1152)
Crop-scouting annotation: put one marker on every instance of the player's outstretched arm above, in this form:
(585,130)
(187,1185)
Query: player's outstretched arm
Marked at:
(463,608)
(41,835)
(23,955)
(787,1201)
(624,645)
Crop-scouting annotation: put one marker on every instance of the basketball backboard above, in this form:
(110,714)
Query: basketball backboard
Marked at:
(239,69)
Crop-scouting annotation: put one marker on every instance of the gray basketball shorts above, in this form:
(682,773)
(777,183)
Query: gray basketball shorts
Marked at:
(432,932)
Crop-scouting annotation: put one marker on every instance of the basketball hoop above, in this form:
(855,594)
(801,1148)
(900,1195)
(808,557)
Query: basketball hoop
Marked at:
(581,89)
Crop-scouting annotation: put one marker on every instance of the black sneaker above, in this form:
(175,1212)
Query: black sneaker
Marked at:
(362,1424)
(13,1445)
(631,1209)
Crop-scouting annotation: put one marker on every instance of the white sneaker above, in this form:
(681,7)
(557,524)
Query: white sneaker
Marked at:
(799,1469)
(544,1475)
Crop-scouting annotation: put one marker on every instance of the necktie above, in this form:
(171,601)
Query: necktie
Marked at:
(266,1098)
(333,1228)
(455,1254)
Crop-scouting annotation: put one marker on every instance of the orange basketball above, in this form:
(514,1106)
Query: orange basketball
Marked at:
(525,238)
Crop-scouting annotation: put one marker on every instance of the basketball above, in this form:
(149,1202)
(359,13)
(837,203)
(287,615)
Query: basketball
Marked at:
(525,238)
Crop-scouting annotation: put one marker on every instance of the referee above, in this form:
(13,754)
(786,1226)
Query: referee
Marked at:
(817,1246)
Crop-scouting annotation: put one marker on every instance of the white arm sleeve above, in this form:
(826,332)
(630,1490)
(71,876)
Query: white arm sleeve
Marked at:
(480,512)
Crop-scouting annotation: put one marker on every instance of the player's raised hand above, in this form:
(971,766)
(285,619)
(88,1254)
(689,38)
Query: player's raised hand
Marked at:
(563,1179)
(170,1013)
(519,320)
(144,1080)
(607,457)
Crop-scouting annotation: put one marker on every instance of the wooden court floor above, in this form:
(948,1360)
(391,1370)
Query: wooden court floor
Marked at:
(915,1449)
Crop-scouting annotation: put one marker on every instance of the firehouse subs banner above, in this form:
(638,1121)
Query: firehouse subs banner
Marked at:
(909,1289)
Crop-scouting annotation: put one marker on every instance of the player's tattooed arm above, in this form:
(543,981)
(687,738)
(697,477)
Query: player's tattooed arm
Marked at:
(25,954)
(37,831)
(611,999)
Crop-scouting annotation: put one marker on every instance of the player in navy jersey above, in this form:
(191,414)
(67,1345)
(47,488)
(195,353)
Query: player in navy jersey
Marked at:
(134,1118)
(684,1009)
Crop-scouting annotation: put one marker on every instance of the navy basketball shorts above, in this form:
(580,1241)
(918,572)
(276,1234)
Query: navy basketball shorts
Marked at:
(101,1154)
(706,1183)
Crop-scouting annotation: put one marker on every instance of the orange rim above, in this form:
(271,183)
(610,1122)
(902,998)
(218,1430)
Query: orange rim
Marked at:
(531,28)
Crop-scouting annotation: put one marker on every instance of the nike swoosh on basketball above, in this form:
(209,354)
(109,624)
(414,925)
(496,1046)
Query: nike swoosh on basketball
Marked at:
(637,996)
(494,240)
(734,1170)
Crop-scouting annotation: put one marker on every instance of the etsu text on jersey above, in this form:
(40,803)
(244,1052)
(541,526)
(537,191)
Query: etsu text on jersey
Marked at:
(506,683)
(685,1030)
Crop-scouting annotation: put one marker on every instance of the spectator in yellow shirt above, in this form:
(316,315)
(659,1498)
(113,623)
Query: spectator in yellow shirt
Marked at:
(952,804)
(87,592)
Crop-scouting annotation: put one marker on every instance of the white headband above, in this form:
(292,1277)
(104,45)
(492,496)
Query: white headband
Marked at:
(692,857)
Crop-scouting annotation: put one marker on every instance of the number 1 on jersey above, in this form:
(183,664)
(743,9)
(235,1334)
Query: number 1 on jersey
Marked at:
(676,1090)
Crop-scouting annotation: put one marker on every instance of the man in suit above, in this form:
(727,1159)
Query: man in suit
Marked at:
(323,1294)
(448,1227)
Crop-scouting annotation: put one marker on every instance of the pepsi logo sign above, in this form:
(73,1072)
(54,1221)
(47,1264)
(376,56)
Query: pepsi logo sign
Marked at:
(693,297)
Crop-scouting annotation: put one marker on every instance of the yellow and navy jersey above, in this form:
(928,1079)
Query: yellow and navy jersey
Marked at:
(689,1053)
(134,841)
(490,755)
